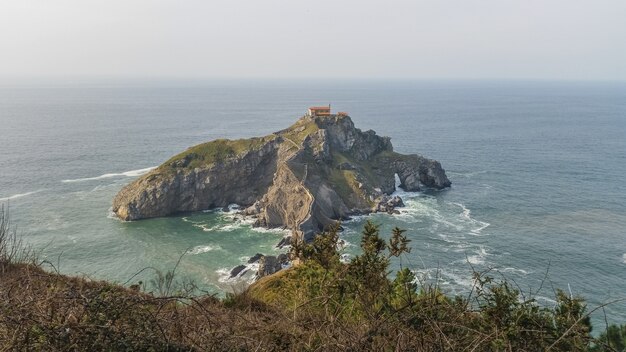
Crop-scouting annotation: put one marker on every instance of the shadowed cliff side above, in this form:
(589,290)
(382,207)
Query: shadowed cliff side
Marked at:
(306,177)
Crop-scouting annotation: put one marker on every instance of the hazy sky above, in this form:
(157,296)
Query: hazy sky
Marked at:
(528,39)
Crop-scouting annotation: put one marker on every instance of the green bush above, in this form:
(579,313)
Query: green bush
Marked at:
(318,304)
(361,294)
(613,339)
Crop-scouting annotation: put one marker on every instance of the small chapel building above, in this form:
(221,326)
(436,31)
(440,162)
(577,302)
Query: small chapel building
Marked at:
(319,111)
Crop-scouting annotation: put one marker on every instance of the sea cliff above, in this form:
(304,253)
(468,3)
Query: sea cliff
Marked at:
(320,170)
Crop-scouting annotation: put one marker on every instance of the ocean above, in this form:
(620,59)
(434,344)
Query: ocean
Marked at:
(538,171)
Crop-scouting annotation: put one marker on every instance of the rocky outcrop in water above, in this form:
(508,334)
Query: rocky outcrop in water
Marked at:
(270,264)
(304,178)
(238,270)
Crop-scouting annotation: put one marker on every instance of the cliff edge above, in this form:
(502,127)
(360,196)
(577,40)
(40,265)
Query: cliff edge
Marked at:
(306,177)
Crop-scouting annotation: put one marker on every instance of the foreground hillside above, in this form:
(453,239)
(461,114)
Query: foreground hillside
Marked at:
(319,305)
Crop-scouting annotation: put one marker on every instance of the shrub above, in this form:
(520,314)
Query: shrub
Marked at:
(319,304)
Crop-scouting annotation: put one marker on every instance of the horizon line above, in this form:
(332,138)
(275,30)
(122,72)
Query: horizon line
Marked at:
(112,78)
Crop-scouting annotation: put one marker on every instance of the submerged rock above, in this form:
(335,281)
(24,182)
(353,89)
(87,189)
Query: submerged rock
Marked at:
(304,178)
(237,270)
(255,258)
(388,204)
(284,242)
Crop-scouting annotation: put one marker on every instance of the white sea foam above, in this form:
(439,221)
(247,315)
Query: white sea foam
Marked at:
(203,249)
(545,299)
(479,257)
(445,238)
(482,225)
(232,220)
(461,247)
(343,244)
(111,214)
(231,210)
(455,280)
(247,274)
(234,207)
(233,215)
(441,276)
(477,224)
(514,270)
(444,219)
(417,209)
(246,220)
(221,227)
(205,227)
(19,195)
(466,212)
(229,227)
(624,258)
(224,274)
(277,230)
(452,226)
(406,216)
(238,221)
(356,218)
(131,173)
(475,260)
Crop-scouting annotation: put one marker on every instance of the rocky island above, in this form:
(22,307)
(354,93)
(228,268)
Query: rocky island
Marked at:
(320,170)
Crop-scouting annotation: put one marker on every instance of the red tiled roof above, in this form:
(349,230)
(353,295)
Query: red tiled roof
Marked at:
(319,108)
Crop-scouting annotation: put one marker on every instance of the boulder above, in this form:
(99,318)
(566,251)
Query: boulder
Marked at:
(388,204)
(255,258)
(238,270)
(268,265)
(284,242)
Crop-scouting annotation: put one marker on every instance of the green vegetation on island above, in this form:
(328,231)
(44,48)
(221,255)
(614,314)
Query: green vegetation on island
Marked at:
(212,152)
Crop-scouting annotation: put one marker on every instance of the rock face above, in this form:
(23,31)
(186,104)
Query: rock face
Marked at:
(239,269)
(270,264)
(306,177)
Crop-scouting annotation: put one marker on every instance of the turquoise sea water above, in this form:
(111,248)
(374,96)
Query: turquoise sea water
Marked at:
(538,171)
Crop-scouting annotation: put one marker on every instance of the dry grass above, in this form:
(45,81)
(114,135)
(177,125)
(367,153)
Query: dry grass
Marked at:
(49,312)
(312,307)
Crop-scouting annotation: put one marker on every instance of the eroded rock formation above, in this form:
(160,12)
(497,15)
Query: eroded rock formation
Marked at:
(306,177)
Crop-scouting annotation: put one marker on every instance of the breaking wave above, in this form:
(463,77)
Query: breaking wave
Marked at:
(19,195)
(131,173)
(203,249)
(277,230)
(246,275)
(478,258)
(230,220)
(449,241)
(513,270)
(457,281)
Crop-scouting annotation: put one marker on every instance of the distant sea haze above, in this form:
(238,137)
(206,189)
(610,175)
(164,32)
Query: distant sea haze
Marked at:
(537,171)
